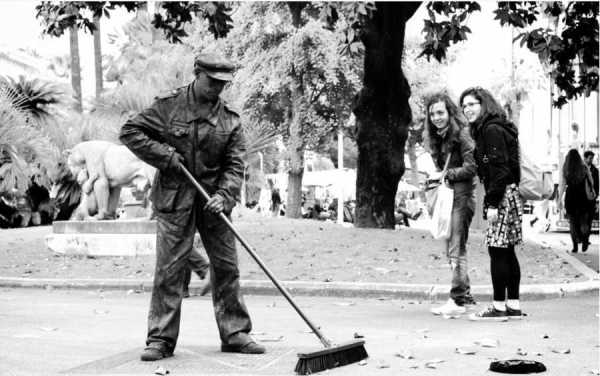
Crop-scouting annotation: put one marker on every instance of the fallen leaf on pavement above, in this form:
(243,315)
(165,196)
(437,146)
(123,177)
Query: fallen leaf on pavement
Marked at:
(405,354)
(465,351)
(487,342)
(521,352)
(561,351)
(161,371)
(433,363)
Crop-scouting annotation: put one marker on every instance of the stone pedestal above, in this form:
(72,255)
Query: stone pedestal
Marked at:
(103,238)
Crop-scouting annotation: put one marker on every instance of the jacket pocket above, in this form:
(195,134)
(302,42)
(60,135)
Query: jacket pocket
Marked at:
(164,194)
(217,144)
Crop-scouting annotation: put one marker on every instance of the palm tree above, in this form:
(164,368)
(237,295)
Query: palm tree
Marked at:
(24,150)
(97,56)
(33,97)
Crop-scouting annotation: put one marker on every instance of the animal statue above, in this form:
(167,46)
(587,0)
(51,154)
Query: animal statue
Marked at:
(101,169)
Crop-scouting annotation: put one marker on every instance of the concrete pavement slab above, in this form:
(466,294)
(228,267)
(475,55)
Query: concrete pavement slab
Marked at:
(75,332)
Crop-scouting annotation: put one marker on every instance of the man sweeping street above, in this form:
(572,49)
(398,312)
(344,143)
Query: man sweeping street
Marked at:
(193,127)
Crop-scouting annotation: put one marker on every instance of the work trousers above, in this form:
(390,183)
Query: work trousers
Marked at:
(174,244)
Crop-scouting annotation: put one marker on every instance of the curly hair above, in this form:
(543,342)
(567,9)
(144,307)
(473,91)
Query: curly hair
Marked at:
(455,120)
(489,105)
(574,170)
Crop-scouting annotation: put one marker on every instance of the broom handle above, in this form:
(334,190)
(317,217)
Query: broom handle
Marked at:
(256,258)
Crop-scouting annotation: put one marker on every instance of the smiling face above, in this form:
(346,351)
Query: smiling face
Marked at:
(471,108)
(438,114)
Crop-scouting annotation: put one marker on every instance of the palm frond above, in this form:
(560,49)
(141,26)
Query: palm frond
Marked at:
(32,96)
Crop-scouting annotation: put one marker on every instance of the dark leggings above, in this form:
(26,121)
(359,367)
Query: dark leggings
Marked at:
(506,273)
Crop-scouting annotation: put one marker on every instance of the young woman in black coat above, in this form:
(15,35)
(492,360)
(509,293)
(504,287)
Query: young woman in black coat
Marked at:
(498,168)
(579,208)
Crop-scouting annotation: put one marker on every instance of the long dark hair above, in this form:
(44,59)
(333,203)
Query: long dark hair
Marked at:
(455,122)
(489,105)
(574,171)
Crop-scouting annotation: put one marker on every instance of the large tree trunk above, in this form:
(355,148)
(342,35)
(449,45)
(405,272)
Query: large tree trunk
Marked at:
(98,57)
(382,115)
(75,68)
(295,149)
(295,145)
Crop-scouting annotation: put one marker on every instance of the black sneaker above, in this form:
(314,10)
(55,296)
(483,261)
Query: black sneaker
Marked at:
(514,314)
(489,314)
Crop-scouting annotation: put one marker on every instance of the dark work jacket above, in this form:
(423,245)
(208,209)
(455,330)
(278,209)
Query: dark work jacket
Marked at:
(461,168)
(497,156)
(210,138)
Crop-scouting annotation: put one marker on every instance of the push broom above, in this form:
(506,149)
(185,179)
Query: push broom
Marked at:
(333,355)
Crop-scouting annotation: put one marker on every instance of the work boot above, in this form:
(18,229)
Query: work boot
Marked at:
(151,354)
(248,348)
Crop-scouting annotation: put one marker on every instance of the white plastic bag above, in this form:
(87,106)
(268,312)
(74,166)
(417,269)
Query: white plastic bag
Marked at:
(441,220)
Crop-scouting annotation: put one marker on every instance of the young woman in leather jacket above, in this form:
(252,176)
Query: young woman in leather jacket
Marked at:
(498,168)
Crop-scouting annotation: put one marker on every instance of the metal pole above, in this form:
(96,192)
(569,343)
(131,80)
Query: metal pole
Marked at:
(340,203)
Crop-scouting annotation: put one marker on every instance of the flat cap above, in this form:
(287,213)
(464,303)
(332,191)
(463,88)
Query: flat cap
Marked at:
(215,66)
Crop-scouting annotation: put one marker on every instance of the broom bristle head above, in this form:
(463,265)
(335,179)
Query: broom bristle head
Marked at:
(335,356)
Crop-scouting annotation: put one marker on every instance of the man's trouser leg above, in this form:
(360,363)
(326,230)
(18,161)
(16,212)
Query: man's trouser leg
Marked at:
(462,214)
(174,240)
(231,313)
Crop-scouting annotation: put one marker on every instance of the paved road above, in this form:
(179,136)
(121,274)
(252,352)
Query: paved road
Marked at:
(90,332)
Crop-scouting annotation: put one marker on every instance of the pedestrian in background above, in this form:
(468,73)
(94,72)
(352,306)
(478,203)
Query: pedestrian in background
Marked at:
(448,137)
(588,158)
(275,202)
(578,199)
(498,168)
(193,127)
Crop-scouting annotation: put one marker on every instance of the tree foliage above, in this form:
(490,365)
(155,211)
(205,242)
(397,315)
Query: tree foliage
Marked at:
(25,152)
(570,49)
(34,97)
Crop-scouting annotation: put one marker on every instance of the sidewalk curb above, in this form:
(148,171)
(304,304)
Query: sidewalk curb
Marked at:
(328,289)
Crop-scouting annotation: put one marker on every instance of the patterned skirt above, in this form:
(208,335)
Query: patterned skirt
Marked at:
(506,231)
